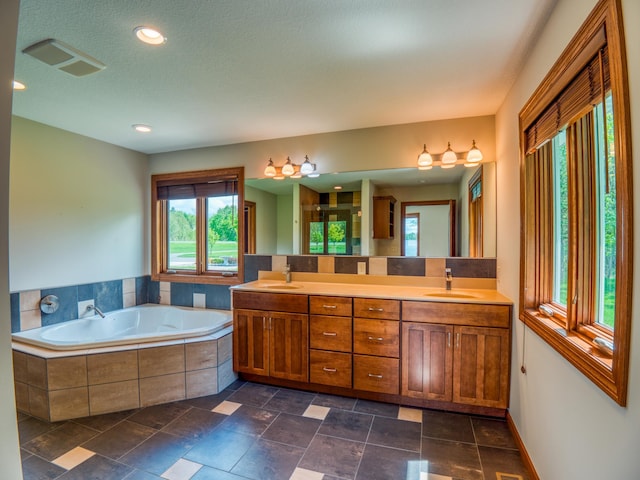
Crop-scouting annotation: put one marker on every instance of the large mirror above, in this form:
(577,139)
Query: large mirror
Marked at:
(437,212)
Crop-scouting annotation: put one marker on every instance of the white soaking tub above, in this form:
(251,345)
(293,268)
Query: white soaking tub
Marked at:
(140,324)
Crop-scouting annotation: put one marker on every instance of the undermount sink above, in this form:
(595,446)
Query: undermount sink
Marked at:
(282,286)
(448,294)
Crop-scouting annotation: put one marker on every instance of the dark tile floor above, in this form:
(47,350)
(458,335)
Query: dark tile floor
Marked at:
(260,432)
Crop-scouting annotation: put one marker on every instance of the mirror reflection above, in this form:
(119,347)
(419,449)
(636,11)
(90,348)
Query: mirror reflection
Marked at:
(408,212)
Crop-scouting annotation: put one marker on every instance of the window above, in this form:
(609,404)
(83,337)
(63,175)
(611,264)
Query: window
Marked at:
(576,242)
(198,226)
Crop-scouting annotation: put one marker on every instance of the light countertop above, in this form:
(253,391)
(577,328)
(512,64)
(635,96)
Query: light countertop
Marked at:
(399,292)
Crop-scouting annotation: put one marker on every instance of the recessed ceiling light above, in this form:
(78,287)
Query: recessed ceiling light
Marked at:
(18,85)
(338,187)
(141,128)
(149,35)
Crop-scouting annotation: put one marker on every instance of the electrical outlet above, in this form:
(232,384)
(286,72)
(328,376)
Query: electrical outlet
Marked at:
(362,268)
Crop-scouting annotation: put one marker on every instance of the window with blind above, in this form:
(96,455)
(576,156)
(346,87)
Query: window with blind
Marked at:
(576,200)
(198,225)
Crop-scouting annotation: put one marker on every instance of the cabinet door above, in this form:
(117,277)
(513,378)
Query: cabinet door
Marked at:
(289,346)
(481,366)
(250,342)
(427,361)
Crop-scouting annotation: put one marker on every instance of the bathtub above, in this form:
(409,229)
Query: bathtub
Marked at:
(140,324)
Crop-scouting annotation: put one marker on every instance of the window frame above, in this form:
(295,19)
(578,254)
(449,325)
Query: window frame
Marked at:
(573,341)
(159,229)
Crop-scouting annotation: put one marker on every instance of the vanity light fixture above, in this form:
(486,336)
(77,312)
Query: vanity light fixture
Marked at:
(141,128)
(449,158)
(19,85)
(149,35)
(291,170)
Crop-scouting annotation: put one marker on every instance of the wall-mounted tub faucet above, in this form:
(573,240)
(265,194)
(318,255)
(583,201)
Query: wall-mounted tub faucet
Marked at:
(95,309)
(448,278)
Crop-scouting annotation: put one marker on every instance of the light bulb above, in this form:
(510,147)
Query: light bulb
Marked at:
(287,168)
(449,156)
(474,155)
(270,169)
(307,167)
(424,159)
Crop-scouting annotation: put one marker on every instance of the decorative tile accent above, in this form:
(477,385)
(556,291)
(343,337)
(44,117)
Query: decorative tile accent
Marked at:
(30,319)
(14,299)
(255,263)
(316,411)
(348,264)
(85,292)
(199,300)
(142,290)
(181,294)
(326,264)
(129,300)
(410,414)
(377,265)
(82,308)
(108,295)
(279,263)
(164,298)
(181,470)
(227,408)
(30,300)
(129,285)
(409,266)
(435,267)
(68,310)
(303,263)
(472,267)
(304,474)
(73,458)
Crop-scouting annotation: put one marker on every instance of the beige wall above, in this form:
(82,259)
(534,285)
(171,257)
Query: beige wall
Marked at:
(266,218)
(78,210)
(9,446)
(571,429)
(353,150)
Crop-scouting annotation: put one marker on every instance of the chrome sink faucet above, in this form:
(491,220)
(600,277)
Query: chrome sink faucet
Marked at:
(95,309)
(448,278)
(287,273)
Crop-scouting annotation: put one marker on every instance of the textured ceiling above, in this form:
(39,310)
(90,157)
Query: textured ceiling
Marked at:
(243,70)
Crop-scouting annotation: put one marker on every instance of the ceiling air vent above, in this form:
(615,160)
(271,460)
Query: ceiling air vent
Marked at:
(64,57)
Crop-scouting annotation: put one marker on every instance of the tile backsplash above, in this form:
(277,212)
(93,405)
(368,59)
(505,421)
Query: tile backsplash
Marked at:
(117,294)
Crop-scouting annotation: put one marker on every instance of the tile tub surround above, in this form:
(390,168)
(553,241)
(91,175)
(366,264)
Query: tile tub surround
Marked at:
(252,431)
(63,386)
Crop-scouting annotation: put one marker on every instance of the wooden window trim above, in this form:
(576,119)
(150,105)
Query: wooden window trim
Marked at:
(609,374)
(159,228)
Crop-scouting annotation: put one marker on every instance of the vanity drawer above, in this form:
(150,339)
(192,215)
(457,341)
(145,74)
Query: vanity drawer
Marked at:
(330,333)
(320,305)
(474,314)
(376,308)
(376,337)
(277,302)
(330,368)
(376,374)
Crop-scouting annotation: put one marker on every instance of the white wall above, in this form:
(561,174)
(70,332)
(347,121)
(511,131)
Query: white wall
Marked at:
(9,446)
(571,429)
(78,209)
(266,218)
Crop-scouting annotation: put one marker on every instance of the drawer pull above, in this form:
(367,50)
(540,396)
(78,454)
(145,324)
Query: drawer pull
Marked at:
(333,307)
(457,340)
(375,339)
(448,339)
(373,375)
(329,334)
(330,370)
(373,309)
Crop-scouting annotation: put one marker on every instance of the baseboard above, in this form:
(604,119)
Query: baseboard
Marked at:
(523,451)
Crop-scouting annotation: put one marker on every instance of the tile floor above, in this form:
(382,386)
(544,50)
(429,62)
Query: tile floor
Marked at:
(253,431)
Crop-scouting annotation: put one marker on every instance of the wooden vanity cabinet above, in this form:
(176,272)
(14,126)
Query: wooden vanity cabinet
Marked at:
(384,217)
(376,345)
(271,335)
(330,341)
(447,356)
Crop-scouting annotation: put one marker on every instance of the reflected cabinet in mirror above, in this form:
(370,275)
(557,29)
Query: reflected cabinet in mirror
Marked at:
(395,212)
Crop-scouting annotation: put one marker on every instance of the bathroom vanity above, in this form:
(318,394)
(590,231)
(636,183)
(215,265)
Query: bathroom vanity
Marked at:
(411,345)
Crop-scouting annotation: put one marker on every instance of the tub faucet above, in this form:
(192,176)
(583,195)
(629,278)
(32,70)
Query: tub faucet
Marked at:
(448,277)
(95,309)
(287,273)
